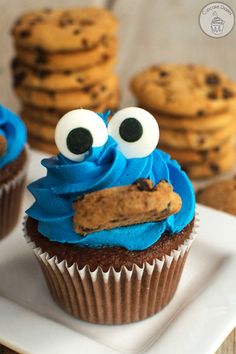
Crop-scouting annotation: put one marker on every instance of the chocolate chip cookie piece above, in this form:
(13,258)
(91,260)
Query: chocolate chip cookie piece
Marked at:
(183,89)
(122,206)
(3,145)
(64,29)
(220,195)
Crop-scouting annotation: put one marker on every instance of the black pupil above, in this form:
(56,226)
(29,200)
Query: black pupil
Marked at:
(131,130)
(79,140)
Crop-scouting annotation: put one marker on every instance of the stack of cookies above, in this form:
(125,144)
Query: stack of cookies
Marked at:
(194,106)
(64,60)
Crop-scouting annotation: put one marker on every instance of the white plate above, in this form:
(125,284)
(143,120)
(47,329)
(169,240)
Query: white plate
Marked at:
(197,320)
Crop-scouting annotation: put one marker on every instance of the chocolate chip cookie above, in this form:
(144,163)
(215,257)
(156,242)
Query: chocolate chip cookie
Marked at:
(40,116)
(184,139)
(220,195)
(208,169)
(70,99)
(71,60)
(200,123)
(184,156)
(55,30)
(188,90)
(42,145)
(47,80)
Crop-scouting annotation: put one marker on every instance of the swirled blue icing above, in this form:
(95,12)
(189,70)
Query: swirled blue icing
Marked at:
(13,129)
(106,167)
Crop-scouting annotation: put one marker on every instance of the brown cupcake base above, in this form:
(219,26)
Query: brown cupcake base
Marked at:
(112,296)
(11,192)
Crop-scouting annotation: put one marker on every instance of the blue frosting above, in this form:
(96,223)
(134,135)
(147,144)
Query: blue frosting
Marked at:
(106,167)
(13,129)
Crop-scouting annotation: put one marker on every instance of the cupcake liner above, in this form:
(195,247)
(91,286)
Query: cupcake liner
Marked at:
(114,297)
(11,194)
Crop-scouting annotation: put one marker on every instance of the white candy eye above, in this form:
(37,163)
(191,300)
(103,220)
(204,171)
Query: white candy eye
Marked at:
(78,131)
(135,131)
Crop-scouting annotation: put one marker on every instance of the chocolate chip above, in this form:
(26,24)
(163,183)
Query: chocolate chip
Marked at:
(200,113)
(86,22)
(24,33)
(51,110)
(201,139)
(65,22)
(19,78)
(217,149)
(84,42)
(212,79)
(36,20)
(15,63)
(212,95)
(163,73)
(67,72)
(85,229)
(104,40)
(42,73)
(41,57)
(103,88)
(80,197)
(18,22)
(214,168)
(51,93)
(86,89)
(163,180)
(227,93)
(143,184)
(94,95)
(80,79)
(204,153)
(77,31)
(105,57)
(165,211)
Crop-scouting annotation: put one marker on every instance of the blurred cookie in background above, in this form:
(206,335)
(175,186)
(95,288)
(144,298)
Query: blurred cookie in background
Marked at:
(195,108)
(64,59)
(220,195)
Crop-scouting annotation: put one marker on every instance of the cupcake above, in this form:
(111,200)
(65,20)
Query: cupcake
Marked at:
(113,219)
(13,161)
(217,24)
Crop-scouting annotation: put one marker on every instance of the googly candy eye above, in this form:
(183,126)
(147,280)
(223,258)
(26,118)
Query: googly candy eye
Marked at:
(78,131)
(135,130)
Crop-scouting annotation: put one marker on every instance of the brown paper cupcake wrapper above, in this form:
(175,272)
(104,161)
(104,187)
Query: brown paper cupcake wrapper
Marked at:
(114,297)
(11,194)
